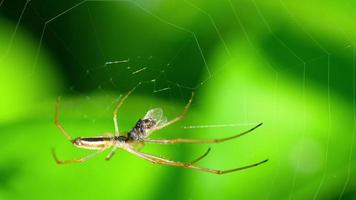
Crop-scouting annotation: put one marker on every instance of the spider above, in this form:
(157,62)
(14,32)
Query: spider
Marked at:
(151,122)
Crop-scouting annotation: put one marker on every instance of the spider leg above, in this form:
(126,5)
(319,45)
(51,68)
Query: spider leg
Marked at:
(183,140)
(79,160)
(179,117)
(122,100)
(200,157)
(58,124)
(163,161)
(112,152)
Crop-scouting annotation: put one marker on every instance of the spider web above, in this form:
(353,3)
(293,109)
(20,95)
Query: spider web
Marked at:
(298,81)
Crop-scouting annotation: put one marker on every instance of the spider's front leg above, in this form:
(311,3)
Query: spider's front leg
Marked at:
(158,160)
(179,117)
(184,140)
(163,161)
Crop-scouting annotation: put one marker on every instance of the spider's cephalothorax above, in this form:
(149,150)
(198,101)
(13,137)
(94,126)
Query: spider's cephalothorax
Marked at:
(141,128)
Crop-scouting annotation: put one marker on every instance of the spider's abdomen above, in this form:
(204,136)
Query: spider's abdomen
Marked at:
(141,128)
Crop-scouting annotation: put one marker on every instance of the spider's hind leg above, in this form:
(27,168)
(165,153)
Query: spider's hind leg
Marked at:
(58,124)
(79,160)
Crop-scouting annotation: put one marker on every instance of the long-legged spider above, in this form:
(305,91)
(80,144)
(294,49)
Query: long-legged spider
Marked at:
(152,121)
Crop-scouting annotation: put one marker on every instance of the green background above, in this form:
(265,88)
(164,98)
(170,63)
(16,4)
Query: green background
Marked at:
(288,64)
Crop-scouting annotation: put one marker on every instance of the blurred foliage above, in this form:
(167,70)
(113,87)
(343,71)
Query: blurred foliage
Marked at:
(21,86)
(288,64)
